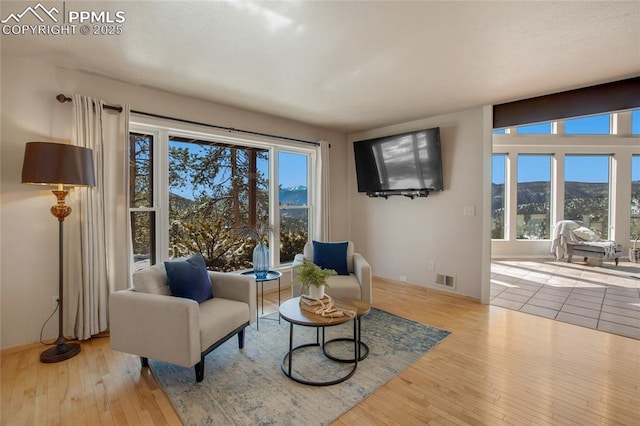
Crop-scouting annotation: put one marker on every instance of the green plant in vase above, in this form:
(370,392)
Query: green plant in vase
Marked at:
(313,279)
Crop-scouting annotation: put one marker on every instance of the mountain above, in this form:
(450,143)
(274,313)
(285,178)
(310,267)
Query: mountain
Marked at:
(536,193)
(293,195)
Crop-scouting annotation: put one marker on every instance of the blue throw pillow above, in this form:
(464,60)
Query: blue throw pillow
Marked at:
(189,278)
(331,256)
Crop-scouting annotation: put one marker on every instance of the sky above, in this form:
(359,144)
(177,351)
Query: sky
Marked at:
(578,168)
(293,170)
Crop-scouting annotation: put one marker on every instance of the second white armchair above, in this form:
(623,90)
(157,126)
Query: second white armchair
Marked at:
(352,282)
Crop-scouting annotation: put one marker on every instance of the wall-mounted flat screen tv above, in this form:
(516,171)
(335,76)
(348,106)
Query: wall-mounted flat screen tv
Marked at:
(405,162)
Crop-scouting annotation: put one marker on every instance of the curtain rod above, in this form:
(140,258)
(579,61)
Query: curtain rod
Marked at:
(62,99)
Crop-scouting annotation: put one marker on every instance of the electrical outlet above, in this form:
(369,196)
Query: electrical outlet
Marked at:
(54,302)
(403,278)
(431,266)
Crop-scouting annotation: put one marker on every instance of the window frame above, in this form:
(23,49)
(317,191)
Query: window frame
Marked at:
(154,208)
(610,209)
(620,145)
(163,129)
(279,207)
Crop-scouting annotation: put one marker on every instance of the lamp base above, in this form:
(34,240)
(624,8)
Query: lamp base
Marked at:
(60,352)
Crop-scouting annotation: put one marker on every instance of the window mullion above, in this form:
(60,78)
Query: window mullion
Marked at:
(161,177)
(274,206)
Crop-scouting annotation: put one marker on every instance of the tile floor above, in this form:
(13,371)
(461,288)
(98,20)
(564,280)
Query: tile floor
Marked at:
(603,297)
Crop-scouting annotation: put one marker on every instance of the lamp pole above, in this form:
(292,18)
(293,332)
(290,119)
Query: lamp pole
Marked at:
(62,350)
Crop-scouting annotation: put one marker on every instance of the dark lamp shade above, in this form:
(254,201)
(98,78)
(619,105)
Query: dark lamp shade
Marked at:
(48,163)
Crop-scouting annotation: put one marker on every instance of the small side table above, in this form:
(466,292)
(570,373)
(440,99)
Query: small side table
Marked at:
(271,275)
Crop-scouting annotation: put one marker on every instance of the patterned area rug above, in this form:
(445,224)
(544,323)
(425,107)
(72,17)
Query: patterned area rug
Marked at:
(248,386)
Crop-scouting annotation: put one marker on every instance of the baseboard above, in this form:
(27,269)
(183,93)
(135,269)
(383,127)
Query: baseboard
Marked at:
(522,256)
(20,348)
(428,289)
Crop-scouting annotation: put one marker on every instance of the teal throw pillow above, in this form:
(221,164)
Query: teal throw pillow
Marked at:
(188,278)
(331,256)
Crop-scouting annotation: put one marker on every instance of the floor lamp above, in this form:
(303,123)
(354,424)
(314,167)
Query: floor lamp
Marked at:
(60,165)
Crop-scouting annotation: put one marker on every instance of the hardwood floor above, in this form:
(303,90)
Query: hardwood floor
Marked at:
(497,367)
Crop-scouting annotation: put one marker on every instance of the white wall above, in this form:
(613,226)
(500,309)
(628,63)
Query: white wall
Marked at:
(399,236)
(28,256)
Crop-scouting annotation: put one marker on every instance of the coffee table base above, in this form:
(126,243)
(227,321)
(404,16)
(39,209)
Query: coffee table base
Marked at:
(287,359)
(363,350)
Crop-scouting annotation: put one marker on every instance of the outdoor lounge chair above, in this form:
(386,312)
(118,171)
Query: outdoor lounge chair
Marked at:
(574,239)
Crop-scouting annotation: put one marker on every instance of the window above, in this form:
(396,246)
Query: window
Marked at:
(534,197)
(294,204)
(540,129)
(142,200)
(586,191)
(498,196)
(635,197)
(582,185)
(200,192)
(594,125)
(215,190)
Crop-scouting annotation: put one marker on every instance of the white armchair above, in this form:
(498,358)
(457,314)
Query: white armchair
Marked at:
(147,321)
(356,285)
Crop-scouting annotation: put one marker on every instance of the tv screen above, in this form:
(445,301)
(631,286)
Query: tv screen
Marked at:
(406,162)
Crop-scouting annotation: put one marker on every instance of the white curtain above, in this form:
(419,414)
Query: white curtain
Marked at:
(99,244)
(321,231)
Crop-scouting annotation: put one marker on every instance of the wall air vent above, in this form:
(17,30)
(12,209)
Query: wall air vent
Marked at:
(447,281)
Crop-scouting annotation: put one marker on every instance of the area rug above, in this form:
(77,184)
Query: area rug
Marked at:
(248,387)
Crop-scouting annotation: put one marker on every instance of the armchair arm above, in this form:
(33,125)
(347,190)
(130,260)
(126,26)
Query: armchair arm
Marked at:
(155,326)
(362,270)
(296,289)
(298,260)
(235,287)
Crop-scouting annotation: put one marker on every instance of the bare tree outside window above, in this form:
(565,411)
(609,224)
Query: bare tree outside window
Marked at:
(215,191)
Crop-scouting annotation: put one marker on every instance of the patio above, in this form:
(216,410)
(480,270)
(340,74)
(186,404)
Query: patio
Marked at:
(605,298)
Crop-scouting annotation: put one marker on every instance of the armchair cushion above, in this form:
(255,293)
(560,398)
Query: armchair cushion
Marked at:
(189,278)
(345,286)
(218,316)
(152,280)
(331,256)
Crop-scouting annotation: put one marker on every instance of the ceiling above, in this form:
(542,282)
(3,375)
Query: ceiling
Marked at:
(351,66)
